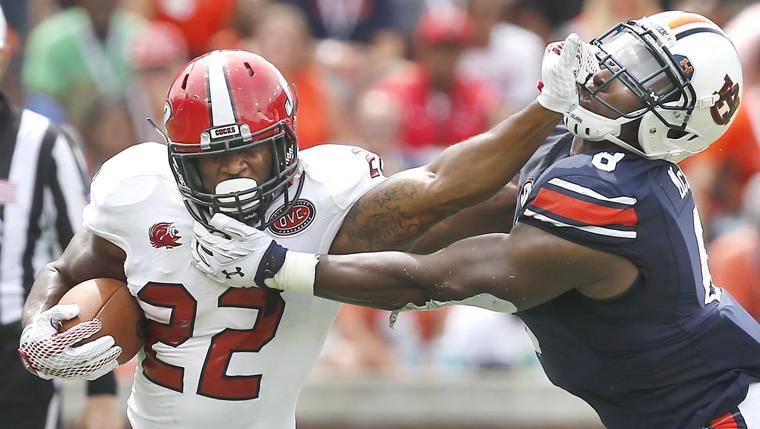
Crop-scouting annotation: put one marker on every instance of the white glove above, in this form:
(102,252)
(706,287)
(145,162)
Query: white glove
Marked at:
(249,257)
(47,353)
(236,261)
(565,64)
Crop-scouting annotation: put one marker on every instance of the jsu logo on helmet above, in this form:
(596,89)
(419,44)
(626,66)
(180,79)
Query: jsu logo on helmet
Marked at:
(296,220)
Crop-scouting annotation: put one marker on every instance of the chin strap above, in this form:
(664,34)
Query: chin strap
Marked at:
(594,127)
(591,126)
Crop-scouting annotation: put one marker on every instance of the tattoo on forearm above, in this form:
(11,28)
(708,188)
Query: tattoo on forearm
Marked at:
(381,222)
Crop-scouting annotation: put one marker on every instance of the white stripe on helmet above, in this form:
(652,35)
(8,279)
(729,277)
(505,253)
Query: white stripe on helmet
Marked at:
(221,100)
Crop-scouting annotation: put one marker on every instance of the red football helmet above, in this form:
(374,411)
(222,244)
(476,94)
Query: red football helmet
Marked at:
(227,101)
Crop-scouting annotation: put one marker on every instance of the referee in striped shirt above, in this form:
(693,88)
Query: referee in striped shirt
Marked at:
(43,189)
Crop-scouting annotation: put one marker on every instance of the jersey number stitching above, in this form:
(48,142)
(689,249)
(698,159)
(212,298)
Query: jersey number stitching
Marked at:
(606,161)
(213,382)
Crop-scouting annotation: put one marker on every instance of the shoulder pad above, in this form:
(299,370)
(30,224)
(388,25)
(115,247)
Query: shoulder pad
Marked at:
(123,186)
(122,180)
(343,170)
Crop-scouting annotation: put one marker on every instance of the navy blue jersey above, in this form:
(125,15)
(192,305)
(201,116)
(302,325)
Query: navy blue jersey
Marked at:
(674,350)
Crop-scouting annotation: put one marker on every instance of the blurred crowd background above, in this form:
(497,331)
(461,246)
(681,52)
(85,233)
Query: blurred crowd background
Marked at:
(403,78)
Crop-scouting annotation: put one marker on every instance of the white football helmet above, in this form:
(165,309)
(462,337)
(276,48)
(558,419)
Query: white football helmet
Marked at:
(686,73)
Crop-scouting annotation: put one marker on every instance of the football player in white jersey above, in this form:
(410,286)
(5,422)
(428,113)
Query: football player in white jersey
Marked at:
(232,354)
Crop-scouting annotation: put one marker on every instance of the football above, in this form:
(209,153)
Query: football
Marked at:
(109,301)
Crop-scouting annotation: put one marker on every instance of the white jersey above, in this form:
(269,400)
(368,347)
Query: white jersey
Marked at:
(217,356)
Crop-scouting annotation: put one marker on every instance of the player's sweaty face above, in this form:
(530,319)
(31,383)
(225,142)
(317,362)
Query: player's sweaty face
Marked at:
(253,163)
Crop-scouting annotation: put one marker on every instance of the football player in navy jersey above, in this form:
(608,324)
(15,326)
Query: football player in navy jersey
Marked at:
(605,262)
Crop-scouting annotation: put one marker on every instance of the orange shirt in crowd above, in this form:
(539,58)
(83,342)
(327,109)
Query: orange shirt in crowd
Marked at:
(199,20)
(735,266)
(735,158)
(313,125)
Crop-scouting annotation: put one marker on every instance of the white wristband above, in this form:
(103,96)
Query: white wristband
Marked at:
(297,273)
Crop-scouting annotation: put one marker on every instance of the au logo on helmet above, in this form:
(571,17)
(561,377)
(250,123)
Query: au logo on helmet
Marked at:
(728,102)
(685,65)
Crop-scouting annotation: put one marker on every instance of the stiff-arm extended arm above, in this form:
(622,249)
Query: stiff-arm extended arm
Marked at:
(506,272)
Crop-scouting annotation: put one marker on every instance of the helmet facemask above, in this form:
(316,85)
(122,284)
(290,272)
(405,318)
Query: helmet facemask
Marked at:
(248,205)
(638,58)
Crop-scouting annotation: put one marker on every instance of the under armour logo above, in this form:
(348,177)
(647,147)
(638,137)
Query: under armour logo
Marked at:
(229,275)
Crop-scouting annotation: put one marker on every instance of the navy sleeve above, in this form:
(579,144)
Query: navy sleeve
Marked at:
(584,209)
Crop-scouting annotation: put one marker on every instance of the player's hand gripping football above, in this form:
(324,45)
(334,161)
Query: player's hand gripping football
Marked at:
(249,257)
(565,64)
(47,353)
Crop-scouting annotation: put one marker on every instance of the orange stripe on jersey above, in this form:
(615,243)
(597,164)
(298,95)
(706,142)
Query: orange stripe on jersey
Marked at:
(686,18)
(583,211)
(726,421)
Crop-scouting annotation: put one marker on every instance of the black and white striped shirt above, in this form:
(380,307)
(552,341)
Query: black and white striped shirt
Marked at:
(43,189)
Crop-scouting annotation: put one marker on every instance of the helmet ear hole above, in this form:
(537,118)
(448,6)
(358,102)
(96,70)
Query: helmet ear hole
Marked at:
(677,134)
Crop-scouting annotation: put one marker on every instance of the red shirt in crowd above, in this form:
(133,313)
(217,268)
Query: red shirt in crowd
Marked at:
(435,118)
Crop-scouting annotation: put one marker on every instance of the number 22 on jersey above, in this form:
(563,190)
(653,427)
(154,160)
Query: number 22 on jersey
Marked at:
(213,383)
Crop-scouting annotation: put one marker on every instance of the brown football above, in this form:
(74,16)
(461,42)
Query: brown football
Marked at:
(109,301)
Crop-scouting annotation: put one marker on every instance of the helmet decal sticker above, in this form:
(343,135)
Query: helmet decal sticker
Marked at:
(226,131)
(167,112)
(728,102)
(685,65)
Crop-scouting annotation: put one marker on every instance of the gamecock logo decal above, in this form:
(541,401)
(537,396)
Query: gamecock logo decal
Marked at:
(164,234)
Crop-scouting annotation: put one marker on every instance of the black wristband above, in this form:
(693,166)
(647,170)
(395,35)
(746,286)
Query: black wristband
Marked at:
(105,385)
